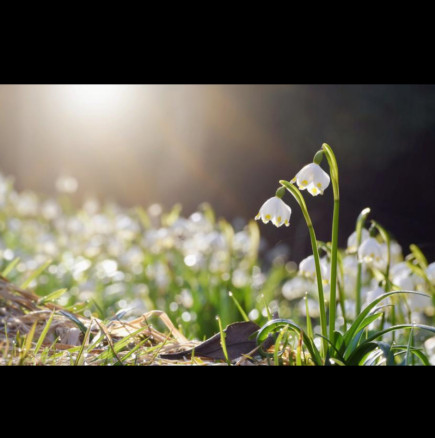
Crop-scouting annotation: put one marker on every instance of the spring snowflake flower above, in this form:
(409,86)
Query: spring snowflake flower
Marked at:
(376,293)
(430,272)
(313,178)
(307,268)
(275,210)
(352,241)
(370,251)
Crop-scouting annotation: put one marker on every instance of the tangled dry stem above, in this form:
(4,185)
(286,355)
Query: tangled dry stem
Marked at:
(22,309)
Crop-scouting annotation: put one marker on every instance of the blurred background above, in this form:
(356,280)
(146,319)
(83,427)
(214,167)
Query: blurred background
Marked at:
(229,145)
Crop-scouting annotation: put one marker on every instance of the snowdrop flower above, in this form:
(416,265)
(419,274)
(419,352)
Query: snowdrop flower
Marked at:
(313,178)
(430,272)
(370,251)
(275,210)
(352,243)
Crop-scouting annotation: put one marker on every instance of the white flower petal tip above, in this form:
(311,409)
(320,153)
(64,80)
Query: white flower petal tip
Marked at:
(275,210)
(370,251)
(313,178)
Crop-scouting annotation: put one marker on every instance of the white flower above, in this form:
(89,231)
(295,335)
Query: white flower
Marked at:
(313,178)
(296,288)
(400,270)
(370,251)
(376,293)
(275,210)
(307,268)
(430,272)
(352,243)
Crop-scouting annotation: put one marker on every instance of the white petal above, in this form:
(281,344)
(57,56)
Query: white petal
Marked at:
(351,241)
(370,250)
(313,190)
(320,178)
(430,272)
(305,176)
(275,210)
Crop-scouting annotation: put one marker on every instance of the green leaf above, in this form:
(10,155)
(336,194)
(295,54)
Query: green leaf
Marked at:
(117,346)
(80,358)
(79,324)
(44,333)
(367,321)
(223,343)
(386,352)
(10,267)
(359,320)
(360,353)
(276,324)
(52,297)
(239,307)
(419,256)
(277,344)
(29,338)
(400,327)
(307,312)
(133,350)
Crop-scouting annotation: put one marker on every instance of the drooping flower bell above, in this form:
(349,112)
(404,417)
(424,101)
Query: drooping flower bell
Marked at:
(275,210)
(313,178)
(370,251)
(352,240)
(307,268)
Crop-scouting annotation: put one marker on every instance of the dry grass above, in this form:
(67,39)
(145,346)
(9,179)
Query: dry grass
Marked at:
(69,338)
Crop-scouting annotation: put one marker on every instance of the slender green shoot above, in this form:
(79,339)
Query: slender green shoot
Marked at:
(35,274)
(334,237)
(239,307)
(300,200)
(10,267)
(43,334)
(223,343)
(359,226)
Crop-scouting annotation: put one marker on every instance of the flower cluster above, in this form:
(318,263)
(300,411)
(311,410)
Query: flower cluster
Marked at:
(138,259)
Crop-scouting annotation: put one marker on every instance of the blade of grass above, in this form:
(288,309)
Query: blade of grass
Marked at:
(307,311)
(28,342)
(132,351)
(109,339)
(43,333)
(52,296)
(223,343)
(239,307)
(277,344)
(10,267)
(80,325)
(80,357)
(35,274)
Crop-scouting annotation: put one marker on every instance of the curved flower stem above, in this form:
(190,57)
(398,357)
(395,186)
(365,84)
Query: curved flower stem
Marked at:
(300,200)
(386,236)
(334,237)
(359,225)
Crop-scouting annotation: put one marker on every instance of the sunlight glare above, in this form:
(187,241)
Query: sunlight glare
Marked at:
(94,100)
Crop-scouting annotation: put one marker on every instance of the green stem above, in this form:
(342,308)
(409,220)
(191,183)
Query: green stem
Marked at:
(385,235)
(333,280)
(334,237)
(341,291)
(359,225)
(300,200)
